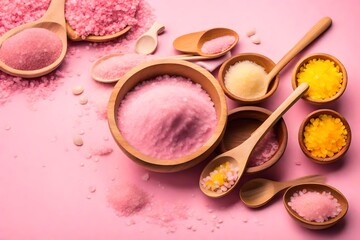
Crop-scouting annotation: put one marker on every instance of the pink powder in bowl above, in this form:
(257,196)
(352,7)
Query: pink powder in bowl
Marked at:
(217,45)
(315,206)
(100,17)
(264,150)
(31,49)
(167,117)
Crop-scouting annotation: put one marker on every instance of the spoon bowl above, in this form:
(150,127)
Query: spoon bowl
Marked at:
(147,43)
(318,187)
(192,43)
(74,36)
(259,191)
(54,21)
(239,155)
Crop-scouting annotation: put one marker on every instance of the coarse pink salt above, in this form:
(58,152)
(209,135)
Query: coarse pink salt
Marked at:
(31,49)
(264,150)
(218,44)
(315,206)
(113,68)
(100,17)
(127,199)
(167,117)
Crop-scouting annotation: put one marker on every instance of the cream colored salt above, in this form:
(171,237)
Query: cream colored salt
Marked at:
(245,79)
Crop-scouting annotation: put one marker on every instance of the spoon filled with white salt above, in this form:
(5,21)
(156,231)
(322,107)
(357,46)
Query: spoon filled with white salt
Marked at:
(263,85)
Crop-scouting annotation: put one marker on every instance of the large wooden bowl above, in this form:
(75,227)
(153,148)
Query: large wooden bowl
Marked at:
(148,71)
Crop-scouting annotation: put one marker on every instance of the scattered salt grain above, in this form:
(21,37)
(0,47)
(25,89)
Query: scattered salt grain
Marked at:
(92,189)
(174,114)
(77,90)
(255,39)
(102,151)
(315,206)
(31,49)
(217,45)
(78,141)
(250,32)
(145,177)
(83,100)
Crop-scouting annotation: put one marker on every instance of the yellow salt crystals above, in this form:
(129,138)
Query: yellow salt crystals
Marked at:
(325,136)
(221,178)
(323,76)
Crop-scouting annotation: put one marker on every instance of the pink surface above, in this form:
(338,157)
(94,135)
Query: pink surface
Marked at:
(51,189)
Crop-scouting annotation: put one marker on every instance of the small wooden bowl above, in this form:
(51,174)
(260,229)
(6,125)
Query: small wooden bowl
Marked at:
(148,71)
(242,122)
(316,114)
(323,56)
(318,187)
(259,59)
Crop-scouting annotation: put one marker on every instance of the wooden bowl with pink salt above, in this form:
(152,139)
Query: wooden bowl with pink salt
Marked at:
(315,205)
(242,122)
(167,115)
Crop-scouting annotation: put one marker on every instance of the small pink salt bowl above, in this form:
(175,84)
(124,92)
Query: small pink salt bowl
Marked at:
(259,59)
(153,69)
(322,56)
(242,122)
(317,187)
(339,155)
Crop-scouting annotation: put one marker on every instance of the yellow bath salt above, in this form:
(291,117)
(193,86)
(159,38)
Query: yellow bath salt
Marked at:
(325,136)
(323,76)
(221,178)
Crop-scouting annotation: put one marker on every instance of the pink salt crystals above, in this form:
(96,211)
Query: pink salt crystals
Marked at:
(264,150)
(315,206)
(31,49)
(167,117)
(101,17)
(114,67)
(217,45)
(127,199)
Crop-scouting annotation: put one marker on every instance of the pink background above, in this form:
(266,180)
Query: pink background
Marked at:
(45,179)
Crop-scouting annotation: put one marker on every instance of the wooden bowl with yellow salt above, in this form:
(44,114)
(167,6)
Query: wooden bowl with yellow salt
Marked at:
(242,122)
(326,75)
(257,59)
(150,70)
(324,136)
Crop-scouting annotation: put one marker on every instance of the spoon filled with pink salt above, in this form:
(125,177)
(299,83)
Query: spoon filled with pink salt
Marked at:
(36,48)
(260,85)
(259,191)
(207,44)
(227,168)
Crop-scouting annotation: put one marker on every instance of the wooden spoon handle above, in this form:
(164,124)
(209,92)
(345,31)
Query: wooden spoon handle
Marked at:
(306,179)
(187,57)
(277,114)
(55,12)
(320,27)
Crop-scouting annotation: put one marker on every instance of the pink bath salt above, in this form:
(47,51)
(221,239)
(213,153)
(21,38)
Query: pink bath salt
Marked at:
(217,45)
(100,17)
(31,49)
(315,206)
(102,151)
(127,199)
(115,67)
(264,150)
(167,117)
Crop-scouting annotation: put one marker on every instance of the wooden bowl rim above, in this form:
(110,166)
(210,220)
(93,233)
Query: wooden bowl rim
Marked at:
(339,154)
(242,57)
(324,56)
(181,163)
(316,187)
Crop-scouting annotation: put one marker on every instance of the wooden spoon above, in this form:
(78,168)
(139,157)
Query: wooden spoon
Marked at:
(320,27)
(54,21)
(191,43)
(147,43)
(259,191)
(239,155)
(74,36)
